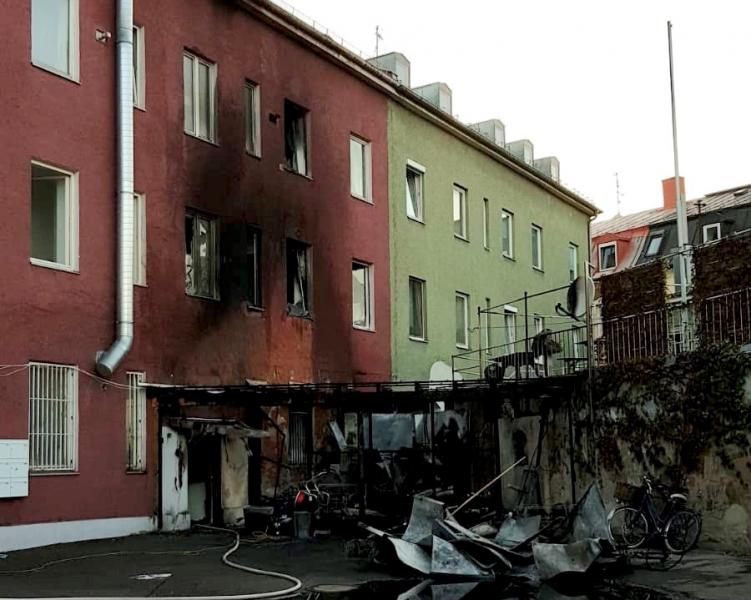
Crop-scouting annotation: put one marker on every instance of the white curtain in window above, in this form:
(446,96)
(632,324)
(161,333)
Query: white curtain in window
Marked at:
(50,33)
(298,142)
(300,286)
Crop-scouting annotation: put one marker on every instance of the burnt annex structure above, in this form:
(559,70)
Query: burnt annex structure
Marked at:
(227,447)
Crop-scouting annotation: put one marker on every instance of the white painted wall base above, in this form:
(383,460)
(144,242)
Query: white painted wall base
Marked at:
(18,537)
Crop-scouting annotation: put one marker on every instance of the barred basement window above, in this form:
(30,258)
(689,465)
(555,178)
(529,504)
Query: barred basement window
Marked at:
(135,419)
(53,418)
(298,438)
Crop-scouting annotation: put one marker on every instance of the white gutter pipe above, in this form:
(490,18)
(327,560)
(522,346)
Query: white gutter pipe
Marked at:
(109,360)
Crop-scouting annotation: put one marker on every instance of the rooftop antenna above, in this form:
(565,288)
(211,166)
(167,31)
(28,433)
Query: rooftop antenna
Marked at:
(378,36)
(617,196)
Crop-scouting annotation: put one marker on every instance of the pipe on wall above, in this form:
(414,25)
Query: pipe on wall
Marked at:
(108,361)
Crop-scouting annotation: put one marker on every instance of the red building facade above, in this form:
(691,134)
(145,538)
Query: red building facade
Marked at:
(64,316)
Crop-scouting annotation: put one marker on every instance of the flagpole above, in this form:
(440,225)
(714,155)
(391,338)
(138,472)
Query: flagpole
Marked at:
(680,201)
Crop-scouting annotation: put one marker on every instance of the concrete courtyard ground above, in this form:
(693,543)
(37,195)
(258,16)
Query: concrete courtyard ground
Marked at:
(111,568)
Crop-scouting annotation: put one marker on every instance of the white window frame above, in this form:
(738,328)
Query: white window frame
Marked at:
(486,223)
(369,298)
(367,183)
(573,252)
(252,105)
(43,456)
(509,315)
(424,294)
(73,45)
(139,68)
(536,228)
(419,171)
(707,228)
(214,261)
(463,212)
(135,422)
(507,217)
(70,249)
(465,299)
(139,239)
(196,60)
(600,248)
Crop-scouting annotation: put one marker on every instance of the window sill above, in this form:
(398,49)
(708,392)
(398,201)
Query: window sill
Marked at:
(201,139)
(293,172)
(365,329)
(462,347)
(52,473)
(56,73)
(417,339)
(38,262)
(486,248)
(361,199)
(256,155)
(253,308)
(414,220)
(141,108)
(461,238)
(538,269)
(140,285)
(207,298)
(134,472)
(293,311)
(508,256)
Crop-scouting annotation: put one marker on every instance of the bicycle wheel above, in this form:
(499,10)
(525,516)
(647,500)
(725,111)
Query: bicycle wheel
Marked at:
(628,527)
(682,531)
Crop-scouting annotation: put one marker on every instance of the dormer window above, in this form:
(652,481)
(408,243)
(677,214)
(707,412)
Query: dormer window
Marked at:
(654,244)
(608,258)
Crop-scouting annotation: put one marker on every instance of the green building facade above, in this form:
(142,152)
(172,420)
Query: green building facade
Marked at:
(450,247)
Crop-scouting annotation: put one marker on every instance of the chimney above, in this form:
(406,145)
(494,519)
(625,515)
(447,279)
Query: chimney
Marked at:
(668,192)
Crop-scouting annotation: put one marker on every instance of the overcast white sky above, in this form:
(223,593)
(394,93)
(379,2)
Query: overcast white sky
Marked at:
(584,80)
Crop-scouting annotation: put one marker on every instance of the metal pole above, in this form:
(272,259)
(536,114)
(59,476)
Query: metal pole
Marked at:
(571,459)
(526,329)
(680,202)
(479,338)
(486,486)
(432,442)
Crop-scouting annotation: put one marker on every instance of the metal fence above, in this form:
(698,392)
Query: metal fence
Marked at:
(676,328)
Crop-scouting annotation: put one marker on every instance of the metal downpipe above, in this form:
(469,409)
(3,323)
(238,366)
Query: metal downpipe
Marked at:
(109,360)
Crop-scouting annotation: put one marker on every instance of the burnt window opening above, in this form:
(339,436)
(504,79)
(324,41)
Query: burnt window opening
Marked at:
(253,261)
(201,256)
(298,278)
(296,138)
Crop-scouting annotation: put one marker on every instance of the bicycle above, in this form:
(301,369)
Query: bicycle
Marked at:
(639,523)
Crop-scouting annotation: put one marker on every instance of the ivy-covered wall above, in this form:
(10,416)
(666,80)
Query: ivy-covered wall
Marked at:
(686,421)
(637,290)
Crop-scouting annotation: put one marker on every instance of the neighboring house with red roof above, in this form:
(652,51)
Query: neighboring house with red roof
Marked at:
(625,241)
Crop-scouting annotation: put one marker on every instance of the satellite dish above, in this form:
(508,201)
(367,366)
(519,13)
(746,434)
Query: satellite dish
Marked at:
(580,290)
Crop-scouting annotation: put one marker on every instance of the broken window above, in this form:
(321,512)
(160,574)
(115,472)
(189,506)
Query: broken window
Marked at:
(201,256)
(296,138)
(253,249)
(298,278)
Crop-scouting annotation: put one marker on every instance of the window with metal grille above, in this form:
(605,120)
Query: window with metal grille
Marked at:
(53,418)
(135,419)
(299,432)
